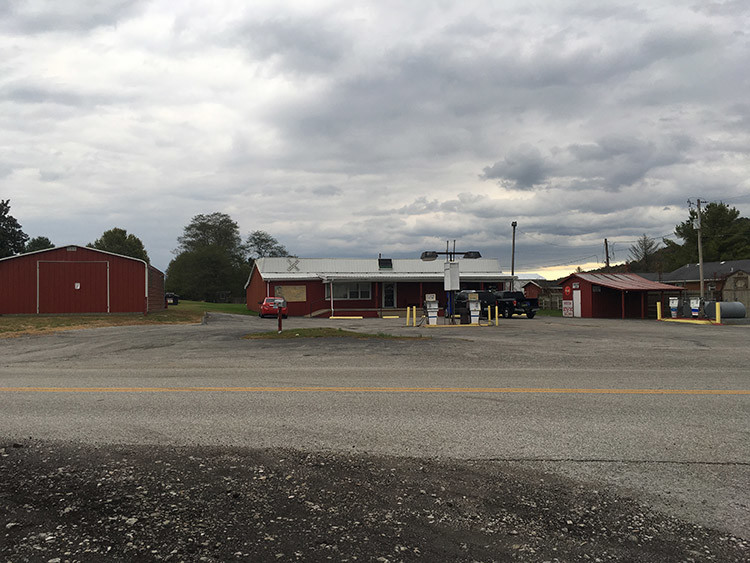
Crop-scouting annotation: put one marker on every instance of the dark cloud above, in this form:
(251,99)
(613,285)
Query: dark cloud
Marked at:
(31,92)
(524,166)
(610,163)
(41,16)
(296,45)
(327,191)
(420,206)
(727,8)
(620,160)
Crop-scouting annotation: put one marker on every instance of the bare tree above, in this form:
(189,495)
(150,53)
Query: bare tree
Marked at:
(643,253)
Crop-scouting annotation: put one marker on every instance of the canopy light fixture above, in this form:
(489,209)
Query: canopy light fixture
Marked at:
(430,255)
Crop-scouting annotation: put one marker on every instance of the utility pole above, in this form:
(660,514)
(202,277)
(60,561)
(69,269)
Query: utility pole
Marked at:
(700,251)
(606,253)
(514,224)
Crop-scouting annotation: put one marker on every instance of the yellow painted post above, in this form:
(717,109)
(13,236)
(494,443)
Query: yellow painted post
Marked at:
(658,310)
(414,316)
(407,315)
(718,312)
(497,315)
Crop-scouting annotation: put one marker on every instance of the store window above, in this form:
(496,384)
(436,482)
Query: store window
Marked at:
(349,290)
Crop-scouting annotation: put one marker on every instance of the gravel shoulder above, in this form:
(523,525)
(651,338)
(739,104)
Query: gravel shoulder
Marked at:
(75,502)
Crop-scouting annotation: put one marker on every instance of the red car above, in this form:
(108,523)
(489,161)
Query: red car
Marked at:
(269,307)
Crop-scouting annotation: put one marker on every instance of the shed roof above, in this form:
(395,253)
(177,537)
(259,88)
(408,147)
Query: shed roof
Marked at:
(711,270)
(543,284)
(625,282)
(368,269)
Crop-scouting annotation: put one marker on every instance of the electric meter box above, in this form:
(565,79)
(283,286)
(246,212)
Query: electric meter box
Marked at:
(452,280)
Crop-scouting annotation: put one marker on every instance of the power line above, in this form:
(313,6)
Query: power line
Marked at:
(557,245)
(566,263)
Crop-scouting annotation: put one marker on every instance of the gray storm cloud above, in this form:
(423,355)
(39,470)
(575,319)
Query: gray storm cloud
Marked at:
(352,130)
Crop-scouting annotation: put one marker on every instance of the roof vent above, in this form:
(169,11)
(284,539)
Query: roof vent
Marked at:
(71,249)
(385,263)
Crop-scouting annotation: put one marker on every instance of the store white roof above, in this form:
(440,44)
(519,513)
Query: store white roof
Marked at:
(368,269)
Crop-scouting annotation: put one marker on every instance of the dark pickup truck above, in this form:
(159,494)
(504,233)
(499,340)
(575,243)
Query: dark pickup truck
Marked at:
(516,303)
(486,298)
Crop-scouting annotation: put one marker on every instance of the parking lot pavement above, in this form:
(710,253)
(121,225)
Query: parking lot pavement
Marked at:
(676,439)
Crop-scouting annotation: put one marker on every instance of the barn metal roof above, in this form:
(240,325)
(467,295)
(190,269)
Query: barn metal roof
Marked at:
(367,269)
(24,254)
(625,282)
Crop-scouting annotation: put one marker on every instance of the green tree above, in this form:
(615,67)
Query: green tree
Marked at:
(214,230)
(204,273)
(38,243)
(119,241)
(643,256)
(211,259)
(12,238)
(725,236)
(261,244)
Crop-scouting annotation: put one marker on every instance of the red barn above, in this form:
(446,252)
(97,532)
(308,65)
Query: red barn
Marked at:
(77,279)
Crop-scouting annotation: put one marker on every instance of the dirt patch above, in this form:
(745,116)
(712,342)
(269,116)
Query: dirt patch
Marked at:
(15,326)
(63,502)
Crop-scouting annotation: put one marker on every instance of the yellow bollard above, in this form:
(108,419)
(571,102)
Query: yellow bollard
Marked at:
(718,312)
(497,315)
(414,316)
(658,310)
(407,315)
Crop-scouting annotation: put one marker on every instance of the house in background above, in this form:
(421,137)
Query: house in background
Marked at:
(549,293)
(723,281)
(369,287)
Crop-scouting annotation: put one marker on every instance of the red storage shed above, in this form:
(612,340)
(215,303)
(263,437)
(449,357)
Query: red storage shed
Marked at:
(77,279)
(628,296)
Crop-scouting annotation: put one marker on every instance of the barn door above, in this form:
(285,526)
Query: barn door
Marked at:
(576,302)
(72,287)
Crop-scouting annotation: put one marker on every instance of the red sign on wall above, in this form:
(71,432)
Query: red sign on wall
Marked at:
(567,291)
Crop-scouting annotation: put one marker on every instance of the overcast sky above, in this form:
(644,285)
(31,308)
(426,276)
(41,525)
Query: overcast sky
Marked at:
(352,129)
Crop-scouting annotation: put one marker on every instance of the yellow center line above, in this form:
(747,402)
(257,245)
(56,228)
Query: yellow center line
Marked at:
(373,390)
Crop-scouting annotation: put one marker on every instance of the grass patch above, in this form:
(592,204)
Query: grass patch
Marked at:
(323,333)
(187,312)
(549,312)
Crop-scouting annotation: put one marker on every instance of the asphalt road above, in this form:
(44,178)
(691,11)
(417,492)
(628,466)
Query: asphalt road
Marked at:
(659,412)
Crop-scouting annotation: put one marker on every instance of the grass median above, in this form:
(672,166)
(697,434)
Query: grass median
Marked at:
(323,333)
(186,312)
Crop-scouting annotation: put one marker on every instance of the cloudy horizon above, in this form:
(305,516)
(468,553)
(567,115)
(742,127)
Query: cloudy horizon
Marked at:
(357,129)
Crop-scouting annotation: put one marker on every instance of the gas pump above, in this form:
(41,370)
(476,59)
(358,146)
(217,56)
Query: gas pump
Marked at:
(474,307)
(431,307)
